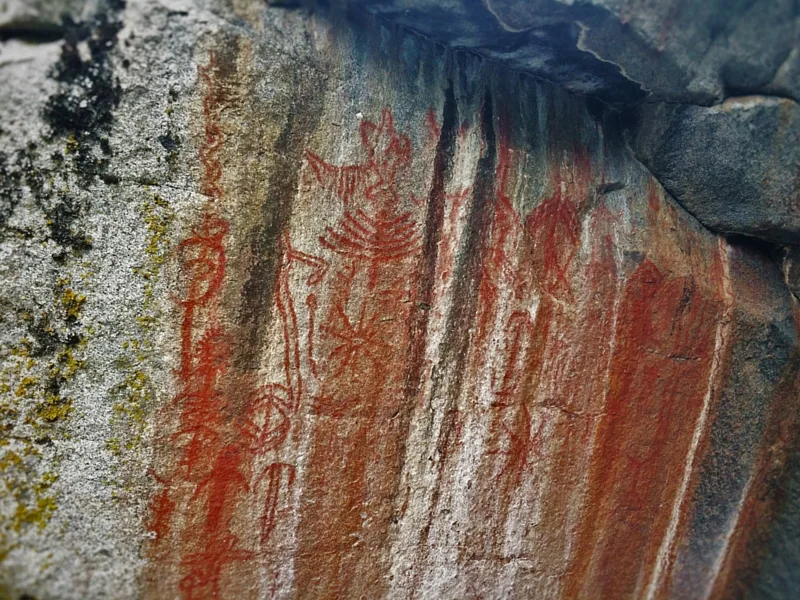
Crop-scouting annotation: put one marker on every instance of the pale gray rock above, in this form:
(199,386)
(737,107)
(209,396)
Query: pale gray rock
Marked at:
(40,19)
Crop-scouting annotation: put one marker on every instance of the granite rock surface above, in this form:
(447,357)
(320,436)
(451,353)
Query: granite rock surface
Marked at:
(735,166)
(299,303)
(624,50)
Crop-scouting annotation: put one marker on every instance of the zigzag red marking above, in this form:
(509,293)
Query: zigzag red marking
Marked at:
(218,473)
(212,169)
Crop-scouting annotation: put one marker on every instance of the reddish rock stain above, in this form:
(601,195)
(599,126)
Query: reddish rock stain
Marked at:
(658,380)
(212,142)
(571,404)
(366,320)
(193,512)
(434,128)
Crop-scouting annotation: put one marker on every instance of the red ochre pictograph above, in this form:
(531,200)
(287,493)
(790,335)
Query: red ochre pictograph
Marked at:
(345,318)
(227,449)
(212,141)
(212,469)
(357,348)
(663,329)
(218,451)
(525,288)
(347,311)
(372,229)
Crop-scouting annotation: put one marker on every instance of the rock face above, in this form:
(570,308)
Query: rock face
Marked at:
(735,166)
(38,20)
(624,50)
(299,304)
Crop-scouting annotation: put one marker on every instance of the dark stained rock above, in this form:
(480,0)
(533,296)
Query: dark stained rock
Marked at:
(38,20)
(742,468)
(546,46)
(735,166)
(624,50)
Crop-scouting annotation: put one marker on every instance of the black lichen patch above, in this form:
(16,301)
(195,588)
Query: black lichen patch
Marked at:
(61,217)
(25,174)
(105,147)
(18,172)
(80,113)
(171,141)
(168,141)
(9,189)
(89,93)
(82,110)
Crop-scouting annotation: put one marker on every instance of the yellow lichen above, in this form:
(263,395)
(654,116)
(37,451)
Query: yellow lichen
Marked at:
(72,303)
(135,394)
(23,348)
(146,321)
(42,509)
(10,459)
(66,365)
(25,385)
(112,445)
(158,216)
(37,515)
(71,146)
(54,408)
(33,409)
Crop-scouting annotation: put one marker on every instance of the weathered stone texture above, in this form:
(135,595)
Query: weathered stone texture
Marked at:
(735,166)
(299,304)
(624,50)
(39,20)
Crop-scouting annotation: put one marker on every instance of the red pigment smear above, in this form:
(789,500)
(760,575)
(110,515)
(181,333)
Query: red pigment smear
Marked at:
(202,256)
(217,449)
(269,416)
(433,126)
(212,142)
(216,471)
(554,223)
(530,258)
(555,227)
(502,246)
(653,200)
(665,340)
(160,509)
(279,474)
(576,358)
(375,179)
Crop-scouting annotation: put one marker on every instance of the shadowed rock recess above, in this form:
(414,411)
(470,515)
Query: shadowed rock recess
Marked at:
(400,299)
